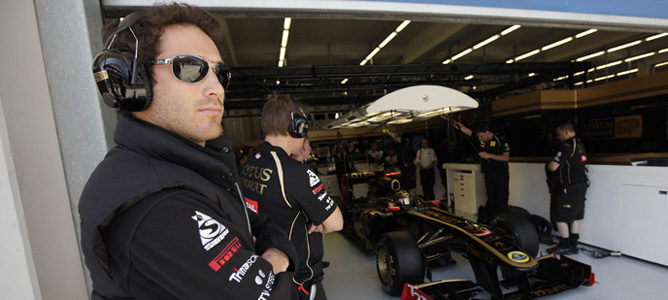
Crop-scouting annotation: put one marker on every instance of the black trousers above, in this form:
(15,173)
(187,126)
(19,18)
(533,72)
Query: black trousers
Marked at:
(496,185)
(427,181)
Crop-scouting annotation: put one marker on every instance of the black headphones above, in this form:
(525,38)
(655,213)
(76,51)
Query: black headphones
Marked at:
(122,81)
(298,127)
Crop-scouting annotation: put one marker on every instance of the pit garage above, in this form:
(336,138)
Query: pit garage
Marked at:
(527,66)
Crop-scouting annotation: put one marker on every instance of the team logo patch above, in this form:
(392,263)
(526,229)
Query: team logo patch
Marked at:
(258,155)
(312,178)
(492,143)
(252,205)
(518,256)
(318,189)
(225,255)
(211,232)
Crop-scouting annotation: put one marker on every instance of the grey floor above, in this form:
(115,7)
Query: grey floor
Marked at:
(352,275)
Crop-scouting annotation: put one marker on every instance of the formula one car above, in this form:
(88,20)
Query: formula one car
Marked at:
(411,235)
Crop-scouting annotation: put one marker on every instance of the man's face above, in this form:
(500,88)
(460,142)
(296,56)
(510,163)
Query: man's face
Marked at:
(191,110)
(304,151)
(485,135)
(424,143)
(562,135)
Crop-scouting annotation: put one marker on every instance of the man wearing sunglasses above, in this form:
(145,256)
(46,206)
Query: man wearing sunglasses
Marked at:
(163,216)
(291,193)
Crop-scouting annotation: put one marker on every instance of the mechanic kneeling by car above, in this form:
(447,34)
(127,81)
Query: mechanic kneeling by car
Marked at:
(290,193)
(567,194)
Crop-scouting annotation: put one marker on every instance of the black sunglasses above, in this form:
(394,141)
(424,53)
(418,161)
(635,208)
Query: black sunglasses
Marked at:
(191,68)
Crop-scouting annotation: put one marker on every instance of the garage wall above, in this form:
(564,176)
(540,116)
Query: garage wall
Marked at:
(619,198)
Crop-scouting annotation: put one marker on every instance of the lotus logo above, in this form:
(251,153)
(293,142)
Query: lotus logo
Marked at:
(518,256)
(425,98)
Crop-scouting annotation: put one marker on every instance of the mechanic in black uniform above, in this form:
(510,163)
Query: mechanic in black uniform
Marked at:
(494,153)
(567,201)
(162,216)
(289,192)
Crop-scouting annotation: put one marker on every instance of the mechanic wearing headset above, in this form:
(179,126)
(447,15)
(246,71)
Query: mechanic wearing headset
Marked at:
(567,201)
(289,192)
(494,153)
(162,216)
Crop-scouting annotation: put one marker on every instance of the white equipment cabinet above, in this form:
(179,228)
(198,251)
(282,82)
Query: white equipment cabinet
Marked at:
(466,187)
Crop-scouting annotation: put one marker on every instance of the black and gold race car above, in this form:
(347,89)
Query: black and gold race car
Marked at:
(410,236)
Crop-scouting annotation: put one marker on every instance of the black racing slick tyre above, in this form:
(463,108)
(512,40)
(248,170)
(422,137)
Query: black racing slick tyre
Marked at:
(398,260)
(519,229)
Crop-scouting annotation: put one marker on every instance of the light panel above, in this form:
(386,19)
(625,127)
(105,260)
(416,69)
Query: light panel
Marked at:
(631,44)
(586,57)
(284,41)
(627,72)
(487,41)
(528,54)
(468,77)
(385,41)
(510,29)
(344,81)
(661,64)
(585,33)
(467,51)
(657,36)
(557,44)
(604,77)
(641,56)
(614,63)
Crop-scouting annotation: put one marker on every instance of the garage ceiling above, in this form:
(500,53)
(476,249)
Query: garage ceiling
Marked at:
(324,51)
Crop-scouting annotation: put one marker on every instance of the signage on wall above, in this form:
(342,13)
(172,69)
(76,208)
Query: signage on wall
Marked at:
(614,128)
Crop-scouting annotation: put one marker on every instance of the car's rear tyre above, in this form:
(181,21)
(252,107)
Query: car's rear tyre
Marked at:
(520,230)
(398,260)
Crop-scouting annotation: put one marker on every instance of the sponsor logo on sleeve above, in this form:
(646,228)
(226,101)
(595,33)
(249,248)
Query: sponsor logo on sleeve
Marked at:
(330,203)
(317,189)
(239,273)
(583,158)
(258,155)
(492,143)
(312,178)
(252,205)
(211,232)
(322,196)
(225,255)
(259,280)
(518,256)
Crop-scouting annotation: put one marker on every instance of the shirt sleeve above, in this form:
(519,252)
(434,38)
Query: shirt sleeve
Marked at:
(563,152)
(194,252)
(505,145)
(308,191)
(268,235)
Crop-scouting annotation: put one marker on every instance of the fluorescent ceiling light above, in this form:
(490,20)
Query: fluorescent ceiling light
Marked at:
(586,57)
(578,83)
(363,62)
(590,81)
(372,54)
(528,54)
(604,77)
(584,33)
(344,81)
(284,41)
(631,44)
(510,61)
(402,25)
(578,73)
(627,72)
(467,51)
(657,36)
(510,29)
(641,56)
(664,50)
(559,43)
(532,74)
(447,61)
(387,39)
(336,116)
(561,78)
(468,77)
(661,64)
(614,63)
(485,42)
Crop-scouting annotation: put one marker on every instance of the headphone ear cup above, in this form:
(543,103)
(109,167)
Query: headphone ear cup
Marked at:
(113,74)
(298,126)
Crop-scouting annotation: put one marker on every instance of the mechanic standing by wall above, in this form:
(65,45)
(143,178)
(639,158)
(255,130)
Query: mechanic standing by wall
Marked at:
(567,201)
(162,216)
(290,193)
(425,159)
(494,153)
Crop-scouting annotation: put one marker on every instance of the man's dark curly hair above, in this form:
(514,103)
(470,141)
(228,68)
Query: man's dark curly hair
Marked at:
(152,25)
